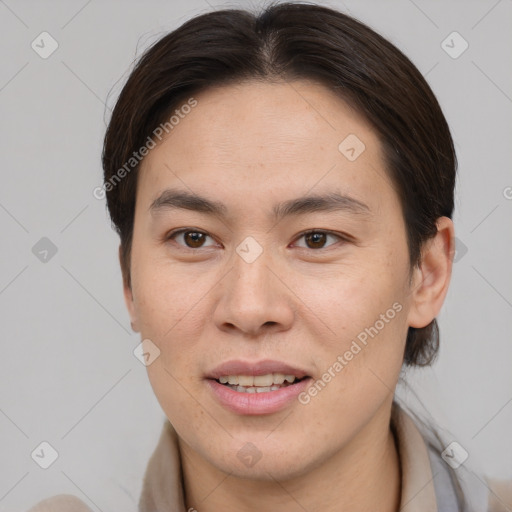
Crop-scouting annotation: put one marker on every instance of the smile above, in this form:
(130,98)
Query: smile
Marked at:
(257,383)
(257,400)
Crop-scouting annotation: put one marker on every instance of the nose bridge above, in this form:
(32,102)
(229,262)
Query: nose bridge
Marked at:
(251,270)
(252,295)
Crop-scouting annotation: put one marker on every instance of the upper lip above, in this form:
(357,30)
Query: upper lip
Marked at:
(238,367)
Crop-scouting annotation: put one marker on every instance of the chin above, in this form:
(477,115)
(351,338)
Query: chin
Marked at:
(268,470)
(262,460)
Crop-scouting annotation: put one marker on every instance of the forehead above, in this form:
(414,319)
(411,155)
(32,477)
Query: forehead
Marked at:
(261,138)
(279,117)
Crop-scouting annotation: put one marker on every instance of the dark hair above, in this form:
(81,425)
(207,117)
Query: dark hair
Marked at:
(290,41)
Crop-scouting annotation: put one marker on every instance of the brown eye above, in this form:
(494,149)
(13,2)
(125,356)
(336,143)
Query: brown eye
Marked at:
(318,239)
(191,239)
(194,239)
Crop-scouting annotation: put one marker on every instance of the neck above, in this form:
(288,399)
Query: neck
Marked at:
(363,475)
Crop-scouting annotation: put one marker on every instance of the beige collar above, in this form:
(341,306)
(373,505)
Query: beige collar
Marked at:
(418,492)
(163,486)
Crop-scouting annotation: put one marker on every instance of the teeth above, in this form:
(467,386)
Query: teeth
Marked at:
(244,380)
(278,378)
(264,380)
(252,389)
(260,381)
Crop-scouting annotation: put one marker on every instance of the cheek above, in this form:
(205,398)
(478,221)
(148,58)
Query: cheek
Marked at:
(347,300)
(361,328)
(357,379)
(166,297)
(171,314)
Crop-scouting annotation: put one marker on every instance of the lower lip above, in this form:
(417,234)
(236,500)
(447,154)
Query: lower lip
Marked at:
(266,402)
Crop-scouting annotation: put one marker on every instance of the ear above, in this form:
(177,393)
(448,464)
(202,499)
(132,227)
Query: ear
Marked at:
(432,277)
(128,295)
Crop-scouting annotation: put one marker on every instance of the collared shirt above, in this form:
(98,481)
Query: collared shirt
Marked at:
(429,484)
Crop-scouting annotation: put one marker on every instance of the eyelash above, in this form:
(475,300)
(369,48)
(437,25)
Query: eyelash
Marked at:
(173,234)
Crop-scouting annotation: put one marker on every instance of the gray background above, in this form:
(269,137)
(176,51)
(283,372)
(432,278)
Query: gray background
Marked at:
(68,373)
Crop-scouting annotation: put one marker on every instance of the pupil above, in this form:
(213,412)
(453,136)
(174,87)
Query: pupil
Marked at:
(317,238)
(195,237)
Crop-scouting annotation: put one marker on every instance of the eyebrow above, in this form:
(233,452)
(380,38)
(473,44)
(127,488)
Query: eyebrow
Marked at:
(330,202)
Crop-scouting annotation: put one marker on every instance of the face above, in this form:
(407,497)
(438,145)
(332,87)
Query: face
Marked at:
(264,280)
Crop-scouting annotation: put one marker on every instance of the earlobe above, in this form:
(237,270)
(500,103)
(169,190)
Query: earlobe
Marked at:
(128,295)
(432,277)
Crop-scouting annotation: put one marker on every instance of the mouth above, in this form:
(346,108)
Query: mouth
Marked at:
(263,387)
(267,383)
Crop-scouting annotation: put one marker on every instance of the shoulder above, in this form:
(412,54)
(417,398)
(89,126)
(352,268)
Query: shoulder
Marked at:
(500,496)
(491,495)
(61,503)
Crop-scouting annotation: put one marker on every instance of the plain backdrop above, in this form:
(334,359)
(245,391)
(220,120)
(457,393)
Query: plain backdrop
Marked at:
(68,373)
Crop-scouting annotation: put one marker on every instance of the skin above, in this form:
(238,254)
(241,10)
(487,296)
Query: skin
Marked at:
(250,146)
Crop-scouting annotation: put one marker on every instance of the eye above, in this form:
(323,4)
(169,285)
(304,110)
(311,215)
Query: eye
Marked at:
(317,239)
(193,239)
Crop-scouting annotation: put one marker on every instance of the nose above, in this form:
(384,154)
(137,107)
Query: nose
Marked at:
(254,298)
